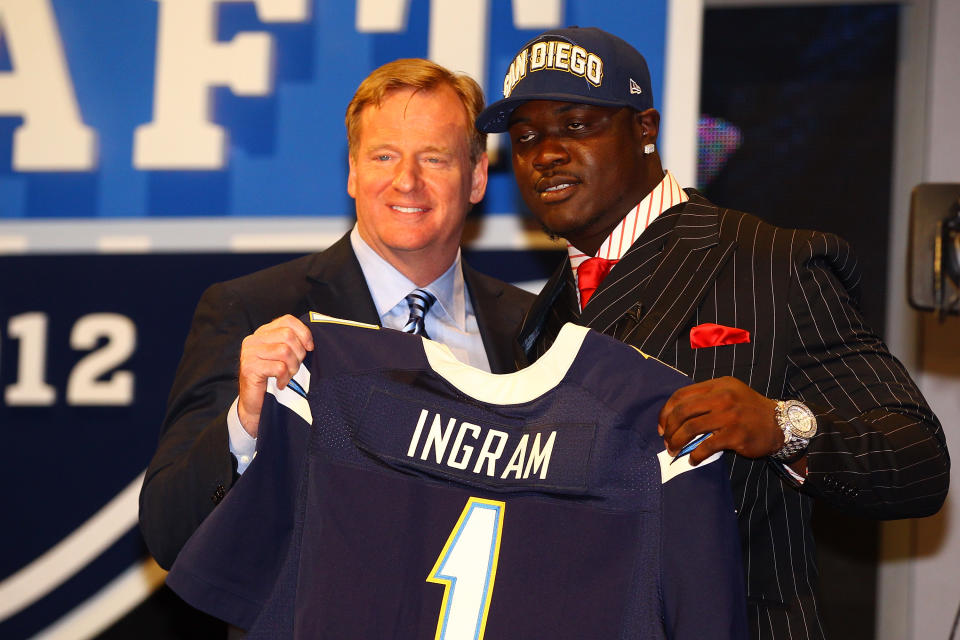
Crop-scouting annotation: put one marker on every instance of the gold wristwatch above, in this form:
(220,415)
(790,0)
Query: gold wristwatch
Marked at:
(798,424)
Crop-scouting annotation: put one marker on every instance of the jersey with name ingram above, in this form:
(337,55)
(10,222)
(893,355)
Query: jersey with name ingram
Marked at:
(397,493)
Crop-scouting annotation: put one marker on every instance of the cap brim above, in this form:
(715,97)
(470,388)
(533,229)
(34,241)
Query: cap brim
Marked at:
(496,117)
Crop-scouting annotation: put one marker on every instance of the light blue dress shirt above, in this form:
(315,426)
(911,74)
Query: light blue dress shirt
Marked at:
(450,321)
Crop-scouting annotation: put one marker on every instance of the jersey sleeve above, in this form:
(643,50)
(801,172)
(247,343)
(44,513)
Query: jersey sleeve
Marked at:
(702,581)
(228,567)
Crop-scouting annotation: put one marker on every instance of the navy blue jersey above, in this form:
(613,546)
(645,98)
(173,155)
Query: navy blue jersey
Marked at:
(397,493)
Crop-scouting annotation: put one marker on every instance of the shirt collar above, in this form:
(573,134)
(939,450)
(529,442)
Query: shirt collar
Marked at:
(665,195)
(389,287)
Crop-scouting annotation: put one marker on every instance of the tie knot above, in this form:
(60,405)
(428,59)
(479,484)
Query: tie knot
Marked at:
(590,274)
(419,301)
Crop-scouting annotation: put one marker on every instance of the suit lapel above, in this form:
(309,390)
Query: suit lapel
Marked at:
(497,324)
(554,306)
(628,279)
(658,284)
(688,268)
(338,287)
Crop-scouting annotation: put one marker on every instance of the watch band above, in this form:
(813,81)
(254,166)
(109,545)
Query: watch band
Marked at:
(792,450)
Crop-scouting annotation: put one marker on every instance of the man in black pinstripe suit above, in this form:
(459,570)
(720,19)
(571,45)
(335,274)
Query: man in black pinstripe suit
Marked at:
(806,400)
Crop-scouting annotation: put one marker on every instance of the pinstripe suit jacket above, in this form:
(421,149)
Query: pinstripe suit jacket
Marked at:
(879,452)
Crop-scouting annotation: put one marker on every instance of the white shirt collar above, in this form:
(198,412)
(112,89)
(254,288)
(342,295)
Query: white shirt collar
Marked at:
(665,195)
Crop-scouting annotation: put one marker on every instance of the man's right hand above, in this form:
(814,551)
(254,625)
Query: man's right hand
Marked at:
(274,350)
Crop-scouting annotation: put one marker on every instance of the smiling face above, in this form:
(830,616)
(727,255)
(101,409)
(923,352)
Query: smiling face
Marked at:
(580,168)
(413,180)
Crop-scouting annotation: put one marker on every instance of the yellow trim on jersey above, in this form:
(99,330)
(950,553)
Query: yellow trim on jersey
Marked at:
(319,317)
(649,357)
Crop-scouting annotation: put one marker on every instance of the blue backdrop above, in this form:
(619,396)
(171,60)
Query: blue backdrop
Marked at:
(89,342)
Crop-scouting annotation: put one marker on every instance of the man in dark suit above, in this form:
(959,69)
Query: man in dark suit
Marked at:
(804,398)
(417,165)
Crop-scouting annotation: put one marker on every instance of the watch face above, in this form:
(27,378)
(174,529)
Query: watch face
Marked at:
(801,419)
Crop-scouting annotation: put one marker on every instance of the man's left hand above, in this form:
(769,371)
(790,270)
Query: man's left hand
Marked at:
(741,420)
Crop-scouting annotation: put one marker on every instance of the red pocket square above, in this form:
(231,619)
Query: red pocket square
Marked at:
(715,335)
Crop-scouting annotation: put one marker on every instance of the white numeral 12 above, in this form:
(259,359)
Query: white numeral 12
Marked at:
(467,568)
(94,380)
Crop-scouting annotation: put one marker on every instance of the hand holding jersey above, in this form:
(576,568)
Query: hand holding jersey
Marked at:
(739,418)
(274,350)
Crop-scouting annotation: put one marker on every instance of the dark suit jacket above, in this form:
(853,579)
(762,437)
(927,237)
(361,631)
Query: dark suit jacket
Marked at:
(879,452)
(192,467)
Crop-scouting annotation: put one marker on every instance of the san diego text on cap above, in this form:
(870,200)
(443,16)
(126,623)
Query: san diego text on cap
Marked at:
(576,64)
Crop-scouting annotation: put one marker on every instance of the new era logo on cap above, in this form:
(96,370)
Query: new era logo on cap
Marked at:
(634,87)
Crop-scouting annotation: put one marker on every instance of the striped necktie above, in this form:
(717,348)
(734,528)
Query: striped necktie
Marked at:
(419,301)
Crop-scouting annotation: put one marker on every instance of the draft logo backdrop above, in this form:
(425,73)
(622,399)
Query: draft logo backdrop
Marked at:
(147,149)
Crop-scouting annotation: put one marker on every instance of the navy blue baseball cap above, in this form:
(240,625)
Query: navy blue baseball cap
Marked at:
(576,64)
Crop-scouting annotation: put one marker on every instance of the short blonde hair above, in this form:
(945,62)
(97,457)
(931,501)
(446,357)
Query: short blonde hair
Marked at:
(418,74)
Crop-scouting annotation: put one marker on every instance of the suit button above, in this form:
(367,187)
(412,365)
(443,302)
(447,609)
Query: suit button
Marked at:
(218,494)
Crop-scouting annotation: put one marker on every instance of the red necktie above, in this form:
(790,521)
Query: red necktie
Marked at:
(590,274)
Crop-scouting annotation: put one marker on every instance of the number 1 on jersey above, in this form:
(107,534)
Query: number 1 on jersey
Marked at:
(467,568)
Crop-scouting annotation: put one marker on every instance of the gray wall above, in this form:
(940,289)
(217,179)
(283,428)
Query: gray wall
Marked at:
(919,587)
